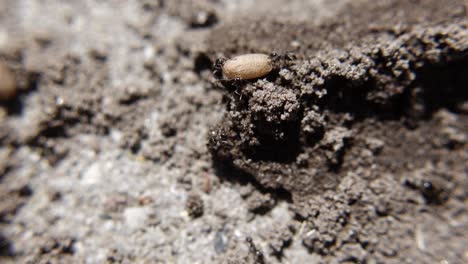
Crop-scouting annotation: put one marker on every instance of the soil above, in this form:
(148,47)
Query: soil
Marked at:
(120,144)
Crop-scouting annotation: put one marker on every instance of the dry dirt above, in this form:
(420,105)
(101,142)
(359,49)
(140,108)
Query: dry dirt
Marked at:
(120,145)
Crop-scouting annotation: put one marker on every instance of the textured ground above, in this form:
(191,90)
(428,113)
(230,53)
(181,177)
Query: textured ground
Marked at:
(121,146)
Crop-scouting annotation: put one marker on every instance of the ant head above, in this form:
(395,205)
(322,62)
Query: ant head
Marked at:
(274,56)
(218,67)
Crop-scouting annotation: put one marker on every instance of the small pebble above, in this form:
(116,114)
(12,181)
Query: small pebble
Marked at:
(135,217)
(145,200)
(221,241)
(8,88)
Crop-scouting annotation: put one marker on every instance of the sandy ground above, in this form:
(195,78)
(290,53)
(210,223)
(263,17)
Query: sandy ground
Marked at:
(119,144)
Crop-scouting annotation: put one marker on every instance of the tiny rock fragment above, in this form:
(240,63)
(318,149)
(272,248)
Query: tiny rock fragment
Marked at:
(204,18)
(8,87)
(221,241)
(136,217)
(145,200)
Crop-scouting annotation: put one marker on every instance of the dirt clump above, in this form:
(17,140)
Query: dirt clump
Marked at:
(194,205)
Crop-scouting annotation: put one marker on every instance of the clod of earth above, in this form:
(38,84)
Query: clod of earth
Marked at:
(8,86)
(247,66)
(194,205)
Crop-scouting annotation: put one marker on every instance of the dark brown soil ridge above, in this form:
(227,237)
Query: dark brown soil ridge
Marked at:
(300,119)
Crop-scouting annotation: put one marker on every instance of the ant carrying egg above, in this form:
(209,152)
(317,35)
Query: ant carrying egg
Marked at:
(244,67)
